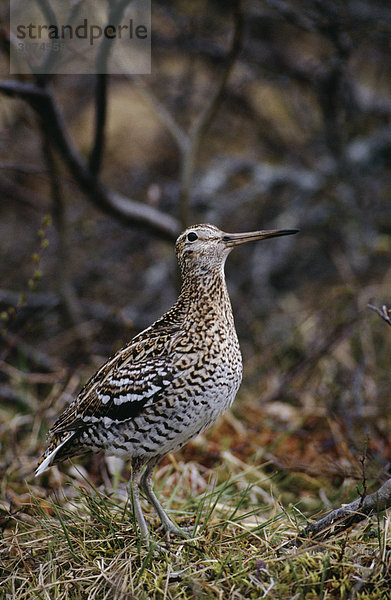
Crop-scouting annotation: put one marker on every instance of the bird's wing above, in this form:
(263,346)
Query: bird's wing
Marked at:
(138,374)
(121,396)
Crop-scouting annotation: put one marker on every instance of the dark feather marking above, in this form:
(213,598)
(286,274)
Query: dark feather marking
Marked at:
(126,410)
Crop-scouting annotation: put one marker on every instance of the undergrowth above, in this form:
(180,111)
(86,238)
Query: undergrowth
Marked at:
(83,543)
(245,488)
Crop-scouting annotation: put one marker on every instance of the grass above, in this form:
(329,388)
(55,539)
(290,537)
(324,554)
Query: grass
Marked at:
(246,487)
(83,543)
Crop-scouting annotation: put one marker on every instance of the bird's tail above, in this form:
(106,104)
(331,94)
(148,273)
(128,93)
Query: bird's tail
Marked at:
(48,457)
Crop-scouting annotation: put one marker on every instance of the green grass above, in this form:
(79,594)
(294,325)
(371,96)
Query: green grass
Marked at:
(83,543)
(245,490)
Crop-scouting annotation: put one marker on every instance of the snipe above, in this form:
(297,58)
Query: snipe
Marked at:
(171,381)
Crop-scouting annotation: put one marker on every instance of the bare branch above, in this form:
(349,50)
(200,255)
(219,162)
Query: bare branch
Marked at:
(346,516)
(100,121)
(200,127)
(189,144)
(383,312)
(113,203)
(164,116)
(116,10)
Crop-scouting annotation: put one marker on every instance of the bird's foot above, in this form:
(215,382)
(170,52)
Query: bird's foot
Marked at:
(182,532)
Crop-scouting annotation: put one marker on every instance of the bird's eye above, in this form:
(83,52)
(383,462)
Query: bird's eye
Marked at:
(192,237)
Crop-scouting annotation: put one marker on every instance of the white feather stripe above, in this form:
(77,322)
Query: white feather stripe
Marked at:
(123,398)
(45,464)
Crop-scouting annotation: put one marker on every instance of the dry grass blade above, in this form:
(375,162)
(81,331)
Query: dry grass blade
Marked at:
(83,545)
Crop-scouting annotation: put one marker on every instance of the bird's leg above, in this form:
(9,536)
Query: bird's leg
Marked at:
(134,493)
(147,487)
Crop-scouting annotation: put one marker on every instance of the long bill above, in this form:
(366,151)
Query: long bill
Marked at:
(234,239)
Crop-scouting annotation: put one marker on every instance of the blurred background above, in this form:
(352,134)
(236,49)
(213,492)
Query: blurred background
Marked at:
(256,115)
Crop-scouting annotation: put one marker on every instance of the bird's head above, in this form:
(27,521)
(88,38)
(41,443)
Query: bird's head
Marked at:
(203,248)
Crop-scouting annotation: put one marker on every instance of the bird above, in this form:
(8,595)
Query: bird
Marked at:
(170,382)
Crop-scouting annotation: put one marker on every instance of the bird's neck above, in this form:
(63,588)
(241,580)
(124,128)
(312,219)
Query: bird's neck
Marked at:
(206,293)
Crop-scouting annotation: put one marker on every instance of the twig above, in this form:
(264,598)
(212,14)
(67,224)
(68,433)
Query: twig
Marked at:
(95,160)
(164,116)
(200,127)
(364,492)
(383,312)
(111,202)
(116,10)
(346,516)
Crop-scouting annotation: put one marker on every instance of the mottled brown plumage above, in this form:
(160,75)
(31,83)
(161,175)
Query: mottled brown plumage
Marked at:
(171,381)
